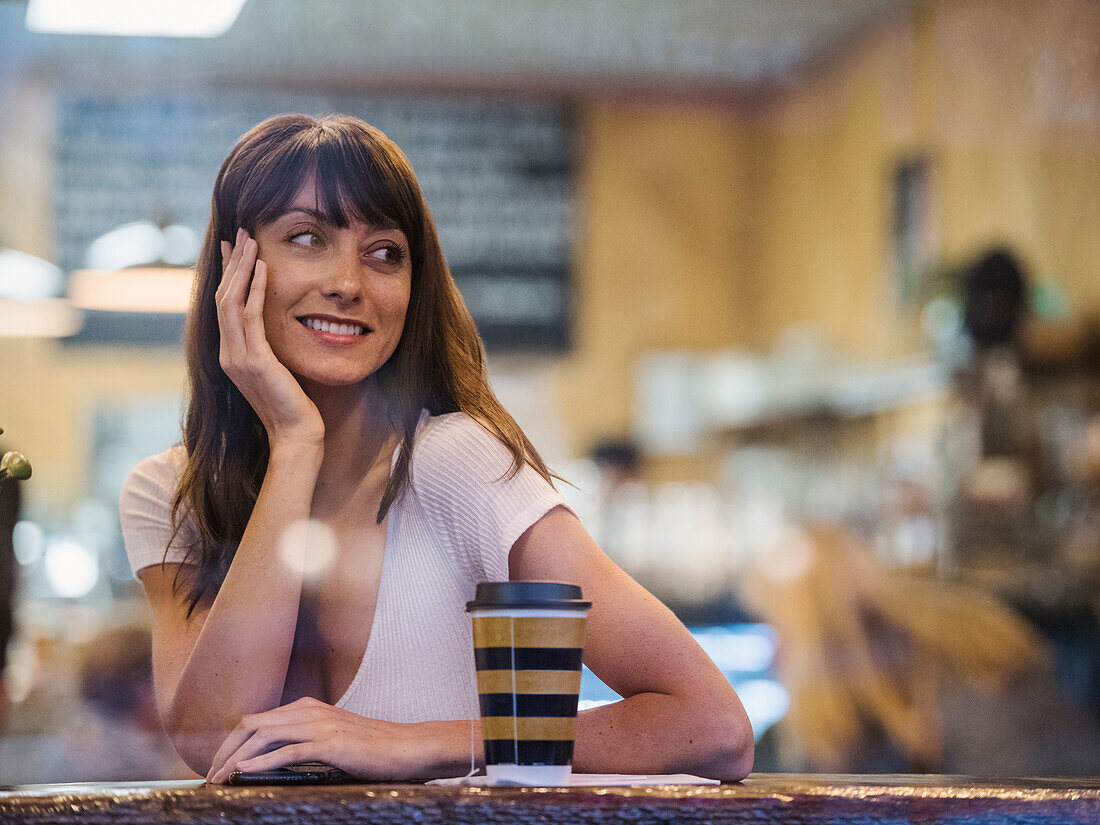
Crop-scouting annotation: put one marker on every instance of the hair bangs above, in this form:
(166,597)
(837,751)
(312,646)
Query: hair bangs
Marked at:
(357,179)
(273,183)
(348,190)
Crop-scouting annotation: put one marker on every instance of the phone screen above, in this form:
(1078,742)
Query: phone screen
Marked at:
(305,773)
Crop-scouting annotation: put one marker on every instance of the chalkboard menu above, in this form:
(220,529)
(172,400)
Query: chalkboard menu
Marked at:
(498,176)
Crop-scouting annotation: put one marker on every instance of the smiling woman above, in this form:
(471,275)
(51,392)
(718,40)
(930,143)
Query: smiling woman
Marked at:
(336,376)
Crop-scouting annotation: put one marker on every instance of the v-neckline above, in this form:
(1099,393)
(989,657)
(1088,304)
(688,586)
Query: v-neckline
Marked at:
(392,517)
(378,601)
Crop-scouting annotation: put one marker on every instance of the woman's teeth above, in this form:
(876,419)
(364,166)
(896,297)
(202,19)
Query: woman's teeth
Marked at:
(328,326)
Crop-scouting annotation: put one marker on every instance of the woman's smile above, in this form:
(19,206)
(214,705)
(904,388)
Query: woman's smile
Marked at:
(335,330)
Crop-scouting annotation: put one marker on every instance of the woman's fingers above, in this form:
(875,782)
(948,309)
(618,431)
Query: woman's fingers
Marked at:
(255,338)
(237,737)
(271,739)
(238,276)
(230,298)
(231,255)
(230,746)
(240,307)
(297,712)
(281,757)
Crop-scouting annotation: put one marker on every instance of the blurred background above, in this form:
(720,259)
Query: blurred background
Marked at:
(802,298)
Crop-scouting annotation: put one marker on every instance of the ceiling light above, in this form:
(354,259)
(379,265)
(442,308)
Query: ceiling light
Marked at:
(52,318)
(72,570)
(129,245)
(132,290)
(24,277)
(29,542)
(142,243)
(141,18)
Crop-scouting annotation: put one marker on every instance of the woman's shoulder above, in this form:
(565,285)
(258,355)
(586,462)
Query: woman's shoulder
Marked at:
(457,436)
(145,509)
(449,425)
(170,462)
(455,451)
(157,473)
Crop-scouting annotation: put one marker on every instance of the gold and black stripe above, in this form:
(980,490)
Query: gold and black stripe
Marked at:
(527,681)
(528,752)
(528,714)
(528,704)
(528,631)
(528,658)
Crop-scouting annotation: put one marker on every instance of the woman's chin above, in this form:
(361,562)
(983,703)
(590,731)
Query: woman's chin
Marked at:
(329,381)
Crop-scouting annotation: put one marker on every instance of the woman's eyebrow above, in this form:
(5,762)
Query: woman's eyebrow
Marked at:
(321,217)
(316,214)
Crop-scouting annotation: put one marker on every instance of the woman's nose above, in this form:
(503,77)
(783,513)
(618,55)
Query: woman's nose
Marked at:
(345,282)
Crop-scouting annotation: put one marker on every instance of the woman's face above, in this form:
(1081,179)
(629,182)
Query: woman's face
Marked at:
(336,298)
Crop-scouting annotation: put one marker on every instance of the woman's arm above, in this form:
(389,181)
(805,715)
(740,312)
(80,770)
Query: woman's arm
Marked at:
(230,658)
(680,714)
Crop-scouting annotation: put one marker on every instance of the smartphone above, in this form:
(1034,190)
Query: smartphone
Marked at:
(304,773)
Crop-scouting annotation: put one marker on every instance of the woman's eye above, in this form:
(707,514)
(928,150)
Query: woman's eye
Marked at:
(389,254)
(305,239)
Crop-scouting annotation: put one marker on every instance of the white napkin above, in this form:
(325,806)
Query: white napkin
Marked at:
(579,780)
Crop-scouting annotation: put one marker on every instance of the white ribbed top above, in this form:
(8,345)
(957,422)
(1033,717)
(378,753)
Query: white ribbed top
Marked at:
(454,527)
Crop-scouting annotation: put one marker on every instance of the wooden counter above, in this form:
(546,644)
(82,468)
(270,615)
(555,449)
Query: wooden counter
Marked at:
(761,799)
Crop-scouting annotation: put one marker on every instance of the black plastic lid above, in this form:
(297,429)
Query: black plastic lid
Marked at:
(537,595)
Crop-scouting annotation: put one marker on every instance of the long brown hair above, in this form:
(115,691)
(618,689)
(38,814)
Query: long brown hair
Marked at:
(439,363)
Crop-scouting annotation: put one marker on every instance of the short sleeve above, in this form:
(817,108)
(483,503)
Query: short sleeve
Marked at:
(460,476)
(145,511)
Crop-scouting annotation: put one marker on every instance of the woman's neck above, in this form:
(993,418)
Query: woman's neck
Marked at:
(359,442)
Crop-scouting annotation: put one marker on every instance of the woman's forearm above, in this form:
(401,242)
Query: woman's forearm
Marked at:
(649,733)
(653,733)
(445,749)
(239,662)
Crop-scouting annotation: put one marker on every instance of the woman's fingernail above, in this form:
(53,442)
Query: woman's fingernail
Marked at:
(240,233)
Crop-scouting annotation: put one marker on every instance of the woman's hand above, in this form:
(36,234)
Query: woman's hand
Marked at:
(309,730)
(278,399)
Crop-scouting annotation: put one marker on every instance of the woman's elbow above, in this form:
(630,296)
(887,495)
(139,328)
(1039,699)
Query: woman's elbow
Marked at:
(195,756)
(732,748)
(737,761)
(195,745)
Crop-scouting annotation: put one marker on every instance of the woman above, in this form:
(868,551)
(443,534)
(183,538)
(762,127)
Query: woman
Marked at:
(336,375)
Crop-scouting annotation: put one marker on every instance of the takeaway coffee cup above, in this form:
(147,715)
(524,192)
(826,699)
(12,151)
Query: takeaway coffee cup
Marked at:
(528,645)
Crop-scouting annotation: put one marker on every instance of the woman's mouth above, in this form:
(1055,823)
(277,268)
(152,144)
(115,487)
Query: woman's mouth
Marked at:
(333,327)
